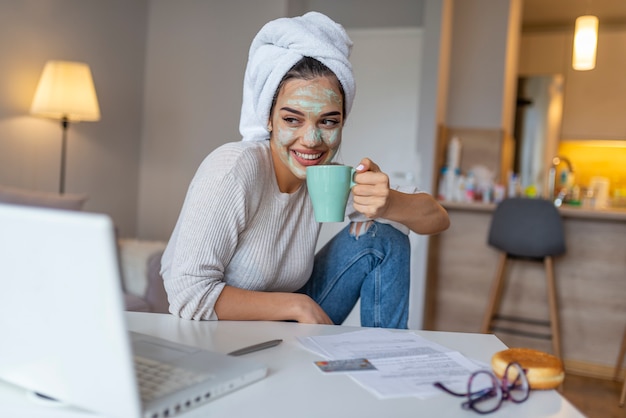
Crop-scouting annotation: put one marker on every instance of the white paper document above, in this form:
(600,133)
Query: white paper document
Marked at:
(407,364)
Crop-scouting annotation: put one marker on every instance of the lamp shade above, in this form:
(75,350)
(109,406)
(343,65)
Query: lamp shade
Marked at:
(585,43)
(66,90)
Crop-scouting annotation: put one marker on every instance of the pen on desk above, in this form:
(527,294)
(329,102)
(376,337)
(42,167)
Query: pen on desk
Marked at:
(255,347)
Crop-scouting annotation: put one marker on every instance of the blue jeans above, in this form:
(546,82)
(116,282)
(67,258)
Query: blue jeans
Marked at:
(374,266)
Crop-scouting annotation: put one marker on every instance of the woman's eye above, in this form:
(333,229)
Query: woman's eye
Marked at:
(290,120)
(330,123)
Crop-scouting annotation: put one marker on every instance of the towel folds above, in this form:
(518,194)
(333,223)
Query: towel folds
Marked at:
(279,45)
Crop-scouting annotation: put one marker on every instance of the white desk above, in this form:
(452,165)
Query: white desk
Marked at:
(293,387)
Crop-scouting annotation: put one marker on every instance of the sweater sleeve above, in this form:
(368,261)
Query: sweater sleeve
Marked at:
(203,243)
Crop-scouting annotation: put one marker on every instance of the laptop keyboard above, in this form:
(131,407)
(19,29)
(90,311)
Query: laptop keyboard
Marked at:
(157,379)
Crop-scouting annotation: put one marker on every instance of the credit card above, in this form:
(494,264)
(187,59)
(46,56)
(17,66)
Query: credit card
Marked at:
(348,365)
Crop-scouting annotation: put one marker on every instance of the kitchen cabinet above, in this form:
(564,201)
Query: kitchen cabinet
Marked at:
(594,101)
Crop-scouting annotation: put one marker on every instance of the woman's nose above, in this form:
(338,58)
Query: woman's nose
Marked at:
(312,136)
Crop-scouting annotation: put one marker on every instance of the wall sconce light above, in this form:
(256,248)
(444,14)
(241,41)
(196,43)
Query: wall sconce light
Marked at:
(585,43)
(66,92)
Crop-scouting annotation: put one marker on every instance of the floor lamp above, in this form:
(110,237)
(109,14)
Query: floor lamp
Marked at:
(66,92)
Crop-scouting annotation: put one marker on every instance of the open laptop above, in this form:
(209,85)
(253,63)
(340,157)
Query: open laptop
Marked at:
(63,329)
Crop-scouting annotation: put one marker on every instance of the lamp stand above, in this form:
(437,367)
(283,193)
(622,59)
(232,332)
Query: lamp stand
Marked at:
(64,125)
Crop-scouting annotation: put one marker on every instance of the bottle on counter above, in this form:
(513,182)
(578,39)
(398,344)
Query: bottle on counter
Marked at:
(488,195)
(460,187)
(470,187)
(499,192)
(454,154)
(451,183)
(514,186)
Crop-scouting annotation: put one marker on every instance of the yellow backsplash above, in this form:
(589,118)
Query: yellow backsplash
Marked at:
(597,158)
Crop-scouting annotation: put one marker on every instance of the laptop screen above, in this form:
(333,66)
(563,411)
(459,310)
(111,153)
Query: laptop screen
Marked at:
(62,313)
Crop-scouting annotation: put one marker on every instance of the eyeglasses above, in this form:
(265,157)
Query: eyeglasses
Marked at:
(485,392)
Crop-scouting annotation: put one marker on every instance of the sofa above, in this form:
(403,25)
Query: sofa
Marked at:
(140,260)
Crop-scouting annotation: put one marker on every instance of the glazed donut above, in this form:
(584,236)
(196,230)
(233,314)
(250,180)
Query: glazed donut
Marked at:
(543,370)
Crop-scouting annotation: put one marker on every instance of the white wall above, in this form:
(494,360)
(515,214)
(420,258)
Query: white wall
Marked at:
(102,157)
(365,14)
(196,57)
(483,66)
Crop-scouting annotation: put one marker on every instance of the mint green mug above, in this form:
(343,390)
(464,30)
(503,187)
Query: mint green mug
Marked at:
(329,187)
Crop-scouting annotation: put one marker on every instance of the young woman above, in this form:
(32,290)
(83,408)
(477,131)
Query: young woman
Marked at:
(243,247)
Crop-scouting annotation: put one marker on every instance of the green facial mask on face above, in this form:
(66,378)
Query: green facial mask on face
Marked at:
(311,99)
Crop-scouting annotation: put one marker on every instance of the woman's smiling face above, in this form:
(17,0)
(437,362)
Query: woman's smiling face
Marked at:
(305,124)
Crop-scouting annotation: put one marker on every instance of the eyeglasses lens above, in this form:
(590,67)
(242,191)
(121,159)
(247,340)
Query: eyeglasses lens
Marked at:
(485,392)
(517,383)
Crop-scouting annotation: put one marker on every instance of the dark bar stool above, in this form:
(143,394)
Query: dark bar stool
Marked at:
(528,229)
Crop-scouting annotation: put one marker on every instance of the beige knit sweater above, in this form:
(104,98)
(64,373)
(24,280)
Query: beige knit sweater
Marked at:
(237,228)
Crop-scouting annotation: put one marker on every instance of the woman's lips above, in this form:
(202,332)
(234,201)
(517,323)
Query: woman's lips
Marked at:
(308,158)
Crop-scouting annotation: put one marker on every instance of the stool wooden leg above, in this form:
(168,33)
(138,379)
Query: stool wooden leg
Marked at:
(495,294)
(554,308)
(618,367)
(620,357)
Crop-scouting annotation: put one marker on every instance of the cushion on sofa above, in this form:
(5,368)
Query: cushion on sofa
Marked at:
(134,257)
(18,196)
(155,293)
(141,274)
(135,303)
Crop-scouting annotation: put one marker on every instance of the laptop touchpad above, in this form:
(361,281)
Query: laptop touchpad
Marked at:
(160,352)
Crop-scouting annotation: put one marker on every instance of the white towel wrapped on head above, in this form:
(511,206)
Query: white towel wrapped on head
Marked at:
(278,46)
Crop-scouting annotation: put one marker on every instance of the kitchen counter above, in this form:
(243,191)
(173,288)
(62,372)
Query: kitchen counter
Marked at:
(609,214)
(591,283)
